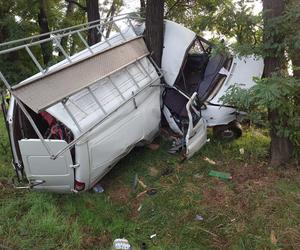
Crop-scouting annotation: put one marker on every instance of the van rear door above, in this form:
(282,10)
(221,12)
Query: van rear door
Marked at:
(42,171)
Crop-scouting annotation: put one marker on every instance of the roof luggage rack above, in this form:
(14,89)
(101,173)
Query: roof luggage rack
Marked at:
(56,84)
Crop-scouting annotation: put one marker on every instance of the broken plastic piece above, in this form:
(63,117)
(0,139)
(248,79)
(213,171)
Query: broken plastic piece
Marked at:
(152,236)
(210,161)
(199,217)
(120,244)
(98,188)
(221,175)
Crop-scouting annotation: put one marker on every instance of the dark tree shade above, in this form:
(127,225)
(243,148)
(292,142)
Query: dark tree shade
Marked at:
(44,28)
(154,28)
(92,8)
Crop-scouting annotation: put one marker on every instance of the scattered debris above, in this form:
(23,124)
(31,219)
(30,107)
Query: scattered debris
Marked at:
(198,176)
(98,188)
(137,181)
(120,244)
(152,236)
(140,208)
(221,175)
(242,151)
(273,237)
(141,194)
(209,161)
(143,185)
(153,146)
(152,191)
(208,140)
(149,191)
(199,217)
(177,145)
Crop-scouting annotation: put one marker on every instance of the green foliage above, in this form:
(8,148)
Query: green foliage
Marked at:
(277,93)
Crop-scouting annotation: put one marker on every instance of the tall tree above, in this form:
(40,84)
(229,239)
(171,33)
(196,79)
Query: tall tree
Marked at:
(92,8)
(66,22)
(154,28)
(142,7)
(44,28)
(275,64)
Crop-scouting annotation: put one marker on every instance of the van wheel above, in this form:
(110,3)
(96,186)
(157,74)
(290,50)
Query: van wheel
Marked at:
(232,130)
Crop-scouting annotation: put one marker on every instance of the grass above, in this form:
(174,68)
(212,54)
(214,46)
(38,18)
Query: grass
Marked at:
(258,209)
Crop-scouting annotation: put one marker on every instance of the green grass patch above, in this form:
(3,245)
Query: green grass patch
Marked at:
(242,213)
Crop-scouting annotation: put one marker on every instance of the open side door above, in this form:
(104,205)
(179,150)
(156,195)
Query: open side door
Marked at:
(196,136)
(43,172)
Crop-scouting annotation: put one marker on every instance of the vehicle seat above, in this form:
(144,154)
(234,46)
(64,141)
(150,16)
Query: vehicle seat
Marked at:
(175,102)
(210,80)
(193,72)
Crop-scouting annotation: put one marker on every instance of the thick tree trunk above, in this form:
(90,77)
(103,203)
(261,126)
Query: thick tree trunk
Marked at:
(44,28)
(154,28)
(92,8)
(275,62)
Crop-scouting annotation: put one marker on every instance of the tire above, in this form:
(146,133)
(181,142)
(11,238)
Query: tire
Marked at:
(231,131)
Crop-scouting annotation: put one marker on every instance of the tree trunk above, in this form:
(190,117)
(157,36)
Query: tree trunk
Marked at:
(275,62)
(92,8)
(109,17)
(142,7)
(296,64)
(44,28)
(69,12)
(154,28)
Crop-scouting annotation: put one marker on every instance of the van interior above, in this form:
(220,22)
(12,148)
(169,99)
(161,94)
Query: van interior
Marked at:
(49,127)
(199,73)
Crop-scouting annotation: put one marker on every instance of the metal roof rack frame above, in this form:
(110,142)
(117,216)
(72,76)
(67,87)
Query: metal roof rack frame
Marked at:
(55,36)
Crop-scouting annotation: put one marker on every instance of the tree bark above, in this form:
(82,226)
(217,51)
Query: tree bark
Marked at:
(69,12)
(275,63)
(44,28)
(109,17)
(92,8)
(142,7)
(154,28)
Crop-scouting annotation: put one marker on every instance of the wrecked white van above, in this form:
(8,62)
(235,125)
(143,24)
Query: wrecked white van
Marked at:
(72,122)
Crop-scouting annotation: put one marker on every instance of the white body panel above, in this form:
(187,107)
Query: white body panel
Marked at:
(241,73)
(58,175)
(177,40)
(130,125)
